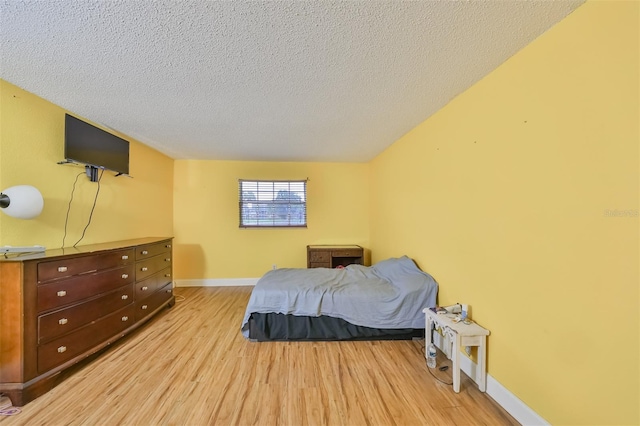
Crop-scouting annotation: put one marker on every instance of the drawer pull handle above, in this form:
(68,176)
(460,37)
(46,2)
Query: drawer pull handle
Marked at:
(168,246)
(167,275)
(125,276)
(125,296)
(61,293)
(145,252)
(144,306)
(124,319)
(144,288)
(169,291)
(168,259)
(125,257)
(62,349)
(62,269)
(144,269)
(63,321)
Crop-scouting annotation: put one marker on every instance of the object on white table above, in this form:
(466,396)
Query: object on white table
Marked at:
(454,309)
(465,311)
(431,355)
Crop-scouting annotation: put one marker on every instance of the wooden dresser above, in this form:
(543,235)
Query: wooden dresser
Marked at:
(331,256)
(61,306)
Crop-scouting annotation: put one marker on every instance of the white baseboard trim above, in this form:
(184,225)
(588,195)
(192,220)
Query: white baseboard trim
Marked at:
(511,403)
(216,282)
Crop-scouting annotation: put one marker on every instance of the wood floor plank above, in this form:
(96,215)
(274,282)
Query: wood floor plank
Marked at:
(191,366)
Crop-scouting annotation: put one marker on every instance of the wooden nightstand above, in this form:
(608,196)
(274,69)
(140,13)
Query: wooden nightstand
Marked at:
(461,334)
(327,256)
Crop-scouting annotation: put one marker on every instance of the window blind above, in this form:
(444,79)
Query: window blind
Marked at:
(272,204)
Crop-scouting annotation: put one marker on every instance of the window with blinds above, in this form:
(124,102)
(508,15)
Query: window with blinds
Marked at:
(272,204)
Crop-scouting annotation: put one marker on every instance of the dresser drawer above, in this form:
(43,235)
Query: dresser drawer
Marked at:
(346,253)
(63,268)
(319,256)
(149,286)
(66,320)
(153,302)
(330,256)
(82,340)
(65,292)
(148,267)
(151,250)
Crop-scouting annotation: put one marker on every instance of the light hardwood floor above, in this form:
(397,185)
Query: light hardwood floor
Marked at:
(191,366)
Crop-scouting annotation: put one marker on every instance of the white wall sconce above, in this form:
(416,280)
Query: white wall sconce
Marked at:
(21,201)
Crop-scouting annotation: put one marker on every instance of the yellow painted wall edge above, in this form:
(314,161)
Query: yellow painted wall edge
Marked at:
(521,198)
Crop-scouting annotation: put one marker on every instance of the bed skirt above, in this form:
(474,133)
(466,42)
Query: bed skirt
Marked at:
(281,327)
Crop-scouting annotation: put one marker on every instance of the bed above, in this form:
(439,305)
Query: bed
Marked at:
(383,301)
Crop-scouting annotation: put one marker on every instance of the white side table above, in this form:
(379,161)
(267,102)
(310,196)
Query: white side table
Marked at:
(461,334)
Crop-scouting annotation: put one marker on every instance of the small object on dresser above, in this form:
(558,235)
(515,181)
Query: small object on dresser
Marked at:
(21,249)
(431,355)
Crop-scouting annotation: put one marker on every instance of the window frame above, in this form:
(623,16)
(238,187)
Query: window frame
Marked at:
(268,200)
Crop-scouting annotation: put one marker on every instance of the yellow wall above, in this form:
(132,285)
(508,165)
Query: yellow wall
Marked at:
(31,144)
(521,198)
(209,243)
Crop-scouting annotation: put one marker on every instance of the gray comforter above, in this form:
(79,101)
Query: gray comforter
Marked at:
(389,294)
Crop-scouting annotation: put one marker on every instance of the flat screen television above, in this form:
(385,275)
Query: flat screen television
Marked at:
(89,145)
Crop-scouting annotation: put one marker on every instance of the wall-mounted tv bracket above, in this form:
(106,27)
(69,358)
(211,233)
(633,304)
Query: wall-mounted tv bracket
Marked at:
(91,171)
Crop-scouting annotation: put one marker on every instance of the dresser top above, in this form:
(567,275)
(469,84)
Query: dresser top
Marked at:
(334,246)
(79,250)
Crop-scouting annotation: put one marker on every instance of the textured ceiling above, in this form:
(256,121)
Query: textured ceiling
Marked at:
(258,80)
